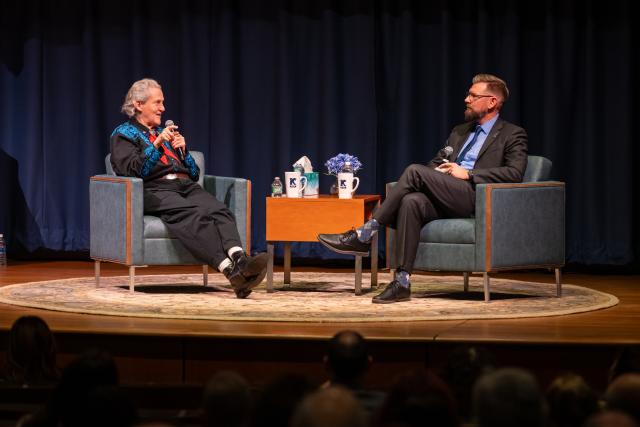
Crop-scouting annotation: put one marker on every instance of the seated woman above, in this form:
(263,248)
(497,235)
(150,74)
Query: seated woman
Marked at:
(142,148)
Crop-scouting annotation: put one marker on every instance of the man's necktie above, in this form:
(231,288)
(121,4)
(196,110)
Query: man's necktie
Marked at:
(469,145)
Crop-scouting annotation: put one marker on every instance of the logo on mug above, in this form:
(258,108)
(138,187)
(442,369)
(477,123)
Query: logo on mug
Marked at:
(343,184)
(292,183)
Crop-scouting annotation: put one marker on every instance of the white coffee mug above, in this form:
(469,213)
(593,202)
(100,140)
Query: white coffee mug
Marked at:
(295,184)
(345,185)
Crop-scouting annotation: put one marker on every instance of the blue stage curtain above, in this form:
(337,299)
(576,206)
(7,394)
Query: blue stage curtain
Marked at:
(255,84)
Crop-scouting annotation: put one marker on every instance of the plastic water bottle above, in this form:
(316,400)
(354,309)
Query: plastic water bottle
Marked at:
(276,187)
(347,168)
(3,252)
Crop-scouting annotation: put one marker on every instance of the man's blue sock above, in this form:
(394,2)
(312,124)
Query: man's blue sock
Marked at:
(403,278)
(368,230)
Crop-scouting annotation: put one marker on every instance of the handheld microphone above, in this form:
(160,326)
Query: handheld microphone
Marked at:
(180,150)
(446,153)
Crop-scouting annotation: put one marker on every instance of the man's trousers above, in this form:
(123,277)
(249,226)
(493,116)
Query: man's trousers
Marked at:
(422,194)
(203,224)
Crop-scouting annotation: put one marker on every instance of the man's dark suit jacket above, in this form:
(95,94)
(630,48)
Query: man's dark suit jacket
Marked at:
(502,158)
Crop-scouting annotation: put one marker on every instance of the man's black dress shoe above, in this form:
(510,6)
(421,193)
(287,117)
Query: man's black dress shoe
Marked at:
(345,243)
(246,272)
(394,292)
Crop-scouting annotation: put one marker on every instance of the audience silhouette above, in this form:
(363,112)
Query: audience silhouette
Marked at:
(31,354)
(623,395)
(465,364)
(278,400)
(348,360)
(87,393)
(508,397)
(416,397)
(571,401)
(226,401)
(330,407)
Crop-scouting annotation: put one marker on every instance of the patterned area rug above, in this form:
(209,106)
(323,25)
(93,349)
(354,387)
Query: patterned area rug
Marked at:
(313,297)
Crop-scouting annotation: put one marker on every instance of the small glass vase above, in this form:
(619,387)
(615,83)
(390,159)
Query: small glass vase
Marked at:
(334,187)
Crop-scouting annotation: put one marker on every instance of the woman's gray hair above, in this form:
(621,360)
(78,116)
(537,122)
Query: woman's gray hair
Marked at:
(139,91)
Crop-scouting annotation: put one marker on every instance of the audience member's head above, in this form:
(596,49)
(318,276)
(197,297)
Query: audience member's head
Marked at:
(626,362)
(330,407)
(571,401)
(347,358)
(76,391)
(623,394)
(226,401)
(508,397)
(31,355)
(86,395)
(106,406)
(465,365)
(415,397)
(610,419)
(278,400)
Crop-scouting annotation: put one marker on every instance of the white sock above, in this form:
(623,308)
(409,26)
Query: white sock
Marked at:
(224,264)
(233,250)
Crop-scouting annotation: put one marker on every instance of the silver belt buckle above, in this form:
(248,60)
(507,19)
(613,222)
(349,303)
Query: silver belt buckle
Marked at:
(171,176)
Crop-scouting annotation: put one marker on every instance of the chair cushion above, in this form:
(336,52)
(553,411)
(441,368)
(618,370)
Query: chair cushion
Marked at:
(455,230)
(154,228)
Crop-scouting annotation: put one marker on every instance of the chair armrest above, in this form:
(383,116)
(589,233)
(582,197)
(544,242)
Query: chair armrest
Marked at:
(116,219)
(520,225)
(235,193)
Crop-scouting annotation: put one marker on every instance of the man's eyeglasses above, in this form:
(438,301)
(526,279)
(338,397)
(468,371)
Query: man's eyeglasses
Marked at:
(475,97)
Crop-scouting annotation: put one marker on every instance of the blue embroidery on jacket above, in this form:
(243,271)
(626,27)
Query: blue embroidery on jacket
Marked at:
(131,132)
(151,158)
(151,155)
(193,167)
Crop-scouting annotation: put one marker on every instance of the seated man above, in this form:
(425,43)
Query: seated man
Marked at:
(142,148)
(484,149)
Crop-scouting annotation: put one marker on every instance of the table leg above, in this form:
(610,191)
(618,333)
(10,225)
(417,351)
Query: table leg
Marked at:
(270,267)
(358,275)
(374,262)
(287,263)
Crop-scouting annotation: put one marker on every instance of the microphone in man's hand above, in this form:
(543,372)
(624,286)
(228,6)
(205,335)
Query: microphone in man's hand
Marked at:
(446,153)
(181,150)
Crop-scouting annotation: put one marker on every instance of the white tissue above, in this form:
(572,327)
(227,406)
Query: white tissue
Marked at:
(305,163)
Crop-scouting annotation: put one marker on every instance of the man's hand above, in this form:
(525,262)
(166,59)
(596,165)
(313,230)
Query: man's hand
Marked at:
(454,169)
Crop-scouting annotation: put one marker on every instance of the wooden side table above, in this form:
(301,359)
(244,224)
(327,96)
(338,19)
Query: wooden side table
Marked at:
(301,220)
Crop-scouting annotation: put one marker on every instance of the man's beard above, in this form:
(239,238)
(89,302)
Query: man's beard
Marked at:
(471,115)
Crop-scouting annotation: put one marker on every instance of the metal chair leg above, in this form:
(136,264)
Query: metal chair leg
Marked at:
(486,280)
(358,286)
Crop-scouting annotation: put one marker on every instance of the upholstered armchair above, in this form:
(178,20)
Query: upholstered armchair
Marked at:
(121,233)
(516,226)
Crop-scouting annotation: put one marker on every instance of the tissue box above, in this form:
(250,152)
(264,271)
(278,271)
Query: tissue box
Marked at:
(313,184)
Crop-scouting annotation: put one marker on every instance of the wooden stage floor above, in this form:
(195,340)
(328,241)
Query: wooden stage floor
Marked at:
(193,348)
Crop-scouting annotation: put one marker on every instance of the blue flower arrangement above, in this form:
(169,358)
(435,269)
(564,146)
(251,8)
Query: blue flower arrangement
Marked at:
(335,164)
